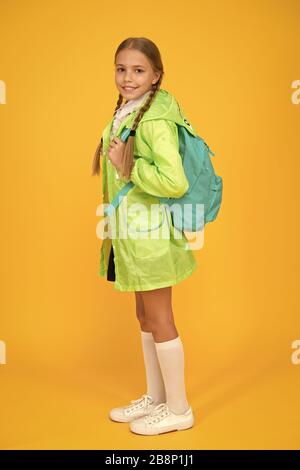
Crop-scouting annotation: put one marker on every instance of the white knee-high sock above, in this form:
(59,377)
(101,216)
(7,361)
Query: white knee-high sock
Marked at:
(171,358)
(155,382)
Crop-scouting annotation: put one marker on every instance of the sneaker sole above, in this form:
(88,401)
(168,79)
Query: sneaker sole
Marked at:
(181,427)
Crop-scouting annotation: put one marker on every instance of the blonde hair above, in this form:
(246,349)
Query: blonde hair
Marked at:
(147,47)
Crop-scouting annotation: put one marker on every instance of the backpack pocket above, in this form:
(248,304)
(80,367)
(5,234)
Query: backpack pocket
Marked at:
(214,199)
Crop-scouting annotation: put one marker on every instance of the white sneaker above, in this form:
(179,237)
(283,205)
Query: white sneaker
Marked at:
(137,408)
(162,419)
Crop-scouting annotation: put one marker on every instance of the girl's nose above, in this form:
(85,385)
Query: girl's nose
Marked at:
(128,77)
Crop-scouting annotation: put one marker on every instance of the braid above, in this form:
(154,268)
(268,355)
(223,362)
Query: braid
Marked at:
(96,161)
(119,102)
(99,149)
(128,163)
(147,104)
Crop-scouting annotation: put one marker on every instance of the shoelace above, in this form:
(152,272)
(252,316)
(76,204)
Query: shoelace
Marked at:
(158,413)
(139,403)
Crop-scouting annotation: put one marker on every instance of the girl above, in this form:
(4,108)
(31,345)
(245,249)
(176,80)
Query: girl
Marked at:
(147,266)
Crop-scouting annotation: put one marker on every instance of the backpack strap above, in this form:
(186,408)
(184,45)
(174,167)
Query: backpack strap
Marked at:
(118,198)
(208,149)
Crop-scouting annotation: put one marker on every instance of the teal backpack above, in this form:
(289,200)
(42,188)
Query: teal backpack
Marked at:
(202,201)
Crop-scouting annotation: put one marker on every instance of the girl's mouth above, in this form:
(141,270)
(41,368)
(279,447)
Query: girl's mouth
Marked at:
(129,88)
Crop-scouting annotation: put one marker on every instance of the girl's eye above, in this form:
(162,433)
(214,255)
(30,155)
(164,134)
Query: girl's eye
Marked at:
(119,69)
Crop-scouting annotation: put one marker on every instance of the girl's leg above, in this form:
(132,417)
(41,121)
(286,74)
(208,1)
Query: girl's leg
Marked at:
(155,382)
(159,314)
(140,312)
(160,320)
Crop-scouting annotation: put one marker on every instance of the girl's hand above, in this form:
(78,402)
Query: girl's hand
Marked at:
(116,151)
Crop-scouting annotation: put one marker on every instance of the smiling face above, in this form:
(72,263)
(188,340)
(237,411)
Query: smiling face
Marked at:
(134,70)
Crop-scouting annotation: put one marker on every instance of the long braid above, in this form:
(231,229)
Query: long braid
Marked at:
(99,149)
(128,162)
(119,102)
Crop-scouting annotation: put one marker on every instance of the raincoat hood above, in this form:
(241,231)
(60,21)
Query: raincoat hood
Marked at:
(163,106)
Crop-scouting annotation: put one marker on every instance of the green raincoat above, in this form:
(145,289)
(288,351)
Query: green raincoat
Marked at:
(158,255)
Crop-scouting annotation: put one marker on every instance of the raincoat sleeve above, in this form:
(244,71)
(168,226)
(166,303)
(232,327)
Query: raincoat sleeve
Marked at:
(164,177)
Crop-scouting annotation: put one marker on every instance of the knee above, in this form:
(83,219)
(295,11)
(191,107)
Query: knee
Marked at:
(140,315)
(158,324)
(145,325)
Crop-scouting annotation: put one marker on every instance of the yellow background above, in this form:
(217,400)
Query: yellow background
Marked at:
(73,343)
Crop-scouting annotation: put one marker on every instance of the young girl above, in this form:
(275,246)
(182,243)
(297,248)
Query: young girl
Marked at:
(149,267)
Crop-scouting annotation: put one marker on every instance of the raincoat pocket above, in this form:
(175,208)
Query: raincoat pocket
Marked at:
(148,231)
